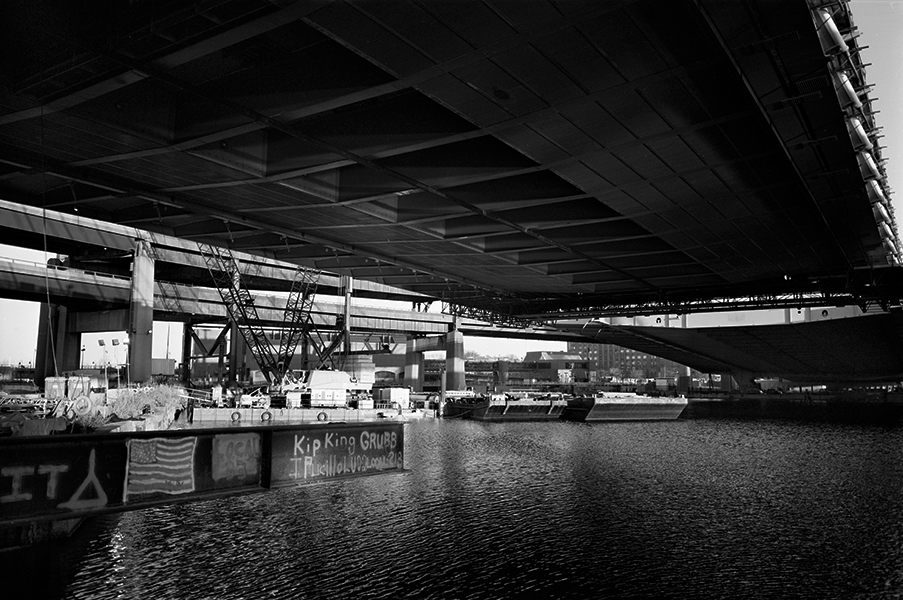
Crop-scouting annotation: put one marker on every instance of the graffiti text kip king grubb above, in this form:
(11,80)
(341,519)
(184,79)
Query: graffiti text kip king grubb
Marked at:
(333,454)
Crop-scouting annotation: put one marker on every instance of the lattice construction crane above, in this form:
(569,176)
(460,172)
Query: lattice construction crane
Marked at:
(297,323)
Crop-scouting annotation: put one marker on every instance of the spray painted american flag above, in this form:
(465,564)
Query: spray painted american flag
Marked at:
(160,466)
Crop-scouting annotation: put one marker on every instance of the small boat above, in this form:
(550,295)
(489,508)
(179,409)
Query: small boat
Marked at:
(501,407)
(624,407)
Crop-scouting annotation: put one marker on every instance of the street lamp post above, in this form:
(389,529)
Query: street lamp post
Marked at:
(128,378)
(106,379)
(116,358)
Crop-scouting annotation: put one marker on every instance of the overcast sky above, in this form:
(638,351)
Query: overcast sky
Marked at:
(880,23)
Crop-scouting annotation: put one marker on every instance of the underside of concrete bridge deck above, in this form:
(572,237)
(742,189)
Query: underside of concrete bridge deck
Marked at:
(855,351)
(517,160)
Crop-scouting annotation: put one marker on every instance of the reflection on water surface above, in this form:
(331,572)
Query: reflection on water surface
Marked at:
(683,509)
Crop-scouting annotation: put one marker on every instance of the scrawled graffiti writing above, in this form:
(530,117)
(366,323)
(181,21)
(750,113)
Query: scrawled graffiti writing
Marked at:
(348,442)
(305,445)
(385,440)
(53,482)
(336,451)
(389,460)
(26,481)
(235,456)
(309,467)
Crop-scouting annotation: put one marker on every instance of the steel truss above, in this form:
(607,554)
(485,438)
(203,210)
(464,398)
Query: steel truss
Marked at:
(240,305)
(784,301)
(297,322)
(493,316)
(500,314)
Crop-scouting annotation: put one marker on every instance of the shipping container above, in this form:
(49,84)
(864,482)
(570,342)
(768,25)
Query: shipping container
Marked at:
(388,395)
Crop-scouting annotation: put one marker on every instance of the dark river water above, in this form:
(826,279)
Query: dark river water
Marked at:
(703,508)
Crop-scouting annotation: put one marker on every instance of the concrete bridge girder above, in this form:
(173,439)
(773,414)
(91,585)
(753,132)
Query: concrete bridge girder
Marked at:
(452,343)
(36,282)
(147,298)
(202,303)
(164,248)
(426,344)
(138,321)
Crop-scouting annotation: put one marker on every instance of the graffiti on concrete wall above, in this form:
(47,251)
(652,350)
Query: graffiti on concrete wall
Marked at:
(235,456)
(90,492)
(49,477)
(60,477)
(332,451)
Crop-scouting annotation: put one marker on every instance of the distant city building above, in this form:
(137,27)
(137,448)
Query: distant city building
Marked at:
(564,368)
(608,361)
(538,371)
(581,366)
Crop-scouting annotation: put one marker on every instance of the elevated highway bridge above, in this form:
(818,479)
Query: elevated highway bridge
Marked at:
(521,162)
(89,292)
(848,350)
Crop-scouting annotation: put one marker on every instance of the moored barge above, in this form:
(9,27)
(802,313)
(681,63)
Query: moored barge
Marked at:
(501,407)
(623,407)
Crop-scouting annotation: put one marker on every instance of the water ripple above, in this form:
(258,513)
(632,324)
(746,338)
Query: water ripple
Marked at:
(685,509)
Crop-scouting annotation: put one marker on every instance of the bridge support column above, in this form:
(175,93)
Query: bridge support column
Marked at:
(58,349)
(745,381)
(236,355)
(141,307)
(501,379)
(454,360)
(304,354)
(68,343)
(221,360)
(44,365)
(348,287)
(727,382)
(413,366)
(185,373)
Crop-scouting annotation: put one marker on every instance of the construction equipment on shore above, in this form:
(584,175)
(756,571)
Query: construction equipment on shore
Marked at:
(297,323)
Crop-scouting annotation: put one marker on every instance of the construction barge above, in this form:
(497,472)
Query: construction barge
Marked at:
(552,407)
(501,407)
(624,407)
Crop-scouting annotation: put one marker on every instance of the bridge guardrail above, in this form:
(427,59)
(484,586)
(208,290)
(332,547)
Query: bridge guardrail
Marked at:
(63,269)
